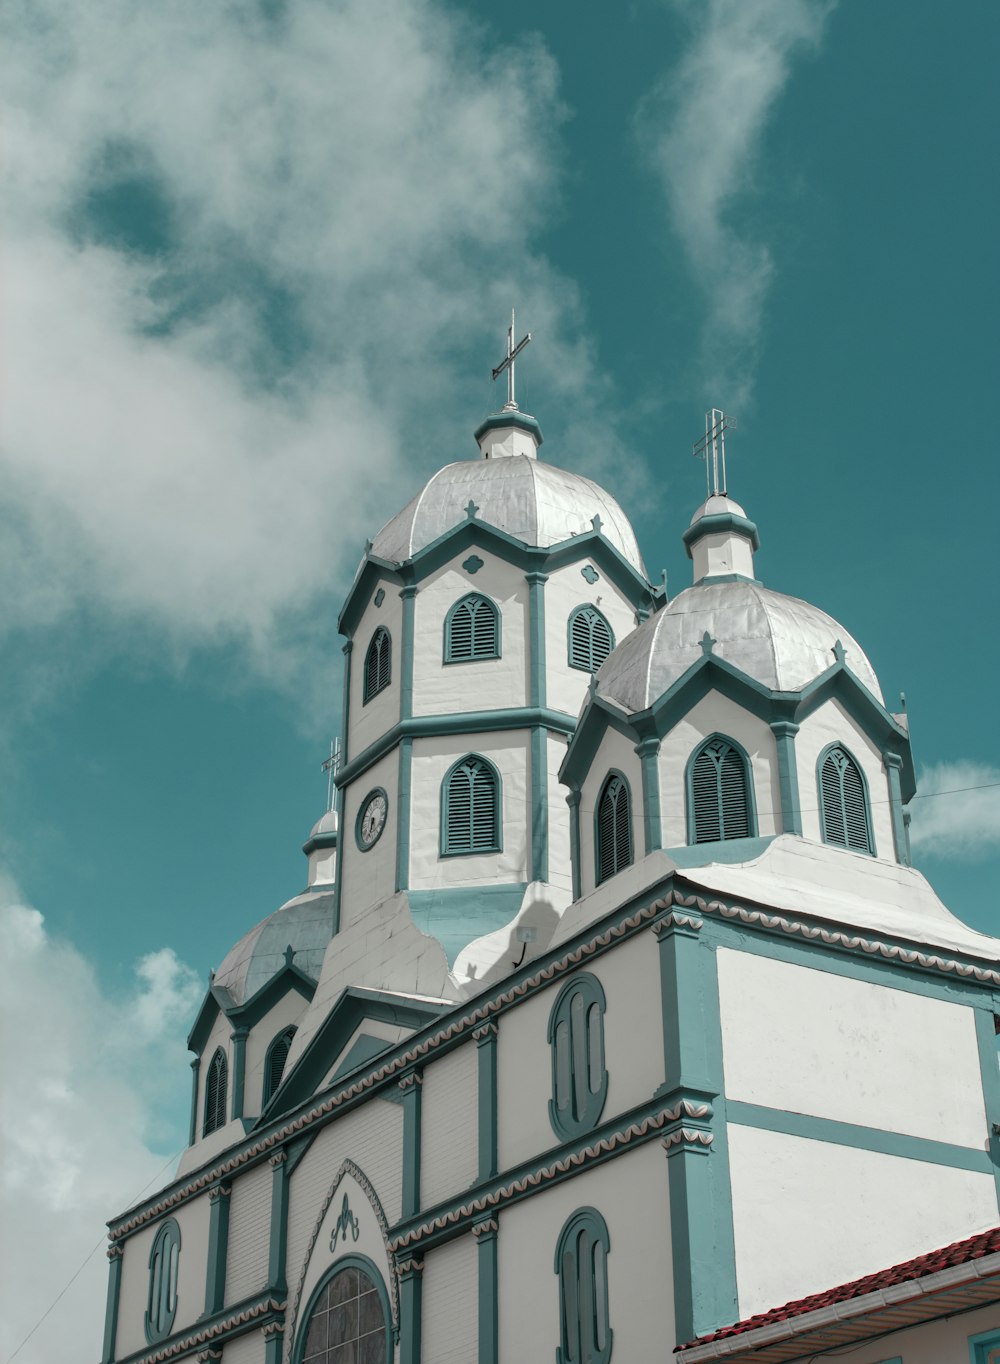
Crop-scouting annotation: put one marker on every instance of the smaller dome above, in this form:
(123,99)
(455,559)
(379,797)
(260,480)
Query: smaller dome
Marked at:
(718,505)
(305,924)
(326,824)
(779,641)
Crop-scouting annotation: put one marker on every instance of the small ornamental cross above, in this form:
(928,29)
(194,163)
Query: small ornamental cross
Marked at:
(839,652)
(507,363)
(331,766)
(712,449)
(707,644)
(471,509)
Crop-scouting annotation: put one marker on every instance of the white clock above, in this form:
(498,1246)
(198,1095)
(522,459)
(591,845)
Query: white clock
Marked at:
(371,819)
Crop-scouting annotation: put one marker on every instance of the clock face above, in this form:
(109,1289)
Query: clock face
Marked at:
(371,819)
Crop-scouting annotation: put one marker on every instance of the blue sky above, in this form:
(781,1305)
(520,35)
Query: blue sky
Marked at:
(260,262)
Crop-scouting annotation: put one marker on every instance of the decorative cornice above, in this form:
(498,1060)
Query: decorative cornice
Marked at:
(414,1080)
(489,1226)
(411,1266)
(686,1136)
(195,1340)
(273,1328)
(669,922)
(278,1158)
(487,1033)
(210,1355)
(115,1251)
(219,1192)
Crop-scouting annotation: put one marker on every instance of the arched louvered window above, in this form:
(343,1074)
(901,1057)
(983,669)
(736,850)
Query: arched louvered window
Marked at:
(470,808)
(720,793)
(614,827)
(274,1061)
(576,1040)
(216,1085)
(161,1303)
(591,639)
(472,630)
(585,1333)
(843,802)
(378,661)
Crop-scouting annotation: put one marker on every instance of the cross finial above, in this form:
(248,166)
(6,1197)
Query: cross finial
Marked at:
(712,449)
(471,509)
(289,954)
(839,652)
(331,766)
(707,644)
(507,363)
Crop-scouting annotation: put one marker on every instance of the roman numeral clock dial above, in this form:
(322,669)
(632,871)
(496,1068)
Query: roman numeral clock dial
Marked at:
(371,819)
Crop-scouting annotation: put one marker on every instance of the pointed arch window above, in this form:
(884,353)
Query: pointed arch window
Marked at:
(720,793)
(274,1062)
(591,639)
(378,664)
(576,1042)
(472,630)
(614,827)
(216,1086)
(470,808)
(585,1334)
(845,814)
(161,1301)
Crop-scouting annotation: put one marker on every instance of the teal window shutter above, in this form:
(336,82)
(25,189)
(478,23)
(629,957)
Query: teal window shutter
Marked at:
(614,827)
(470,808)
(216,1085)
(581,1262)
(161,1301)
(591,639)
(472,630)
(845,815)
(576,1045)
(274,1062)
(377,664)
(720,793)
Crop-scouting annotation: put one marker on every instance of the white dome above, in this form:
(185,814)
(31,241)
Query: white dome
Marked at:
(534,502)
(305,924)
(779,641)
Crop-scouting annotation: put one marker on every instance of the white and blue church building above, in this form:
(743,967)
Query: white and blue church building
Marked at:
(613,1023)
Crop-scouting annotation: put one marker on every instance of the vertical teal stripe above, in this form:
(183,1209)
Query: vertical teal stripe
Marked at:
(344,843)
(536,634)
(893,764)
(410,1311)
(410,1086)
(489,1322)
(114,1297)
(990,1071)
(648,751)
(784,732)
(486,1045)
(407,594)
(278,1243)
(239,1069)
(273,1342)
(193,1131)
(218,1249)
(573,801)
(539,758)
(403,814)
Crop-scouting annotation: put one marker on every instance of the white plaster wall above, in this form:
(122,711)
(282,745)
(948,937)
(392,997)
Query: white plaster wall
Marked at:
(828,724)
(451,1303)
(248,1349)
(288,1010)
(615,751)
(508,751)
(565,590)
(808,1215)
(249,1233)
(810,1041)
(932,1342)
(630,1193)
(369,876)
(367,722)
(717,714)
(192,1219)
(498,683)
(560,862)
(449,1134)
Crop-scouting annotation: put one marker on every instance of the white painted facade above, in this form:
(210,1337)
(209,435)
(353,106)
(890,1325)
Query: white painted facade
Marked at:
(742,1071)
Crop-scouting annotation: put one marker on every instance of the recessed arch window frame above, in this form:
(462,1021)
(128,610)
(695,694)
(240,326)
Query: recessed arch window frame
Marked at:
(589,638)
(216,1092)
(378,665)
(470,823)
(840,825)
(614,844)
(275,1060)
(576,1048)
(161,1296)
(721,804)
(581,1262)
(472,629)
(363,1265)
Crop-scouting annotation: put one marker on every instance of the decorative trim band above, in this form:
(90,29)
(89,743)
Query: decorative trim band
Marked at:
(410,1266)
(687,1136)
(490,1226)
(184,1344)
(484,1033)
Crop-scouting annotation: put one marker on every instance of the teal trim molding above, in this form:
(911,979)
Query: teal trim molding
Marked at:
(240,1036)
(161,1298)
(405,784)
(573,801)
(986,1030)
(536,635)
(410,1087)
(218,1249)
(485,1233)
(648,751)
(719,524)
(277,1253)
(193,1126)
(539,805)
(370,1270)
(576,1044)
(581,1262)
(115,1253)
(499,421)
(410,1273)
(407,594)
(984,1348)
(784,732)
(893,766)
(485,1039)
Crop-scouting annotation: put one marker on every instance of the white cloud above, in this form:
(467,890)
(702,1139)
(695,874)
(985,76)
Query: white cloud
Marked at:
(703,127)
(91,1087)
(964,819)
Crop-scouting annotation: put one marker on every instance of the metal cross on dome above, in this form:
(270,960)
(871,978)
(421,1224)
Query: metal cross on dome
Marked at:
(712,449)
(507,363)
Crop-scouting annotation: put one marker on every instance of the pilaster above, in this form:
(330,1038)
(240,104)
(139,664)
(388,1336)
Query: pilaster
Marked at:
(410,1088)
(193,1130)
(115,1253)
(344,848)
(648,751)
(485,1233)
(274,1339)
(784,732)
(573,801)
(408,596)
(278,1247)
(893,766)
(240,1036)
(218,1249)
(486,1056)
(403,814)
(539,755)
(410,1273)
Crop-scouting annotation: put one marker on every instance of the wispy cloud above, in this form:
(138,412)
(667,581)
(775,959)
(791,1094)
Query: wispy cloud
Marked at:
(88,1082)
(964,819)
(703,128)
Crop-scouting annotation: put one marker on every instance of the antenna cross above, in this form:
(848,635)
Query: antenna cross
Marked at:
(712,449)
(331,766)
(507,363)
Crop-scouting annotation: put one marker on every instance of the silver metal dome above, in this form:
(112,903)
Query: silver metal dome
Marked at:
(305,924)
(532,501)
(780,641)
